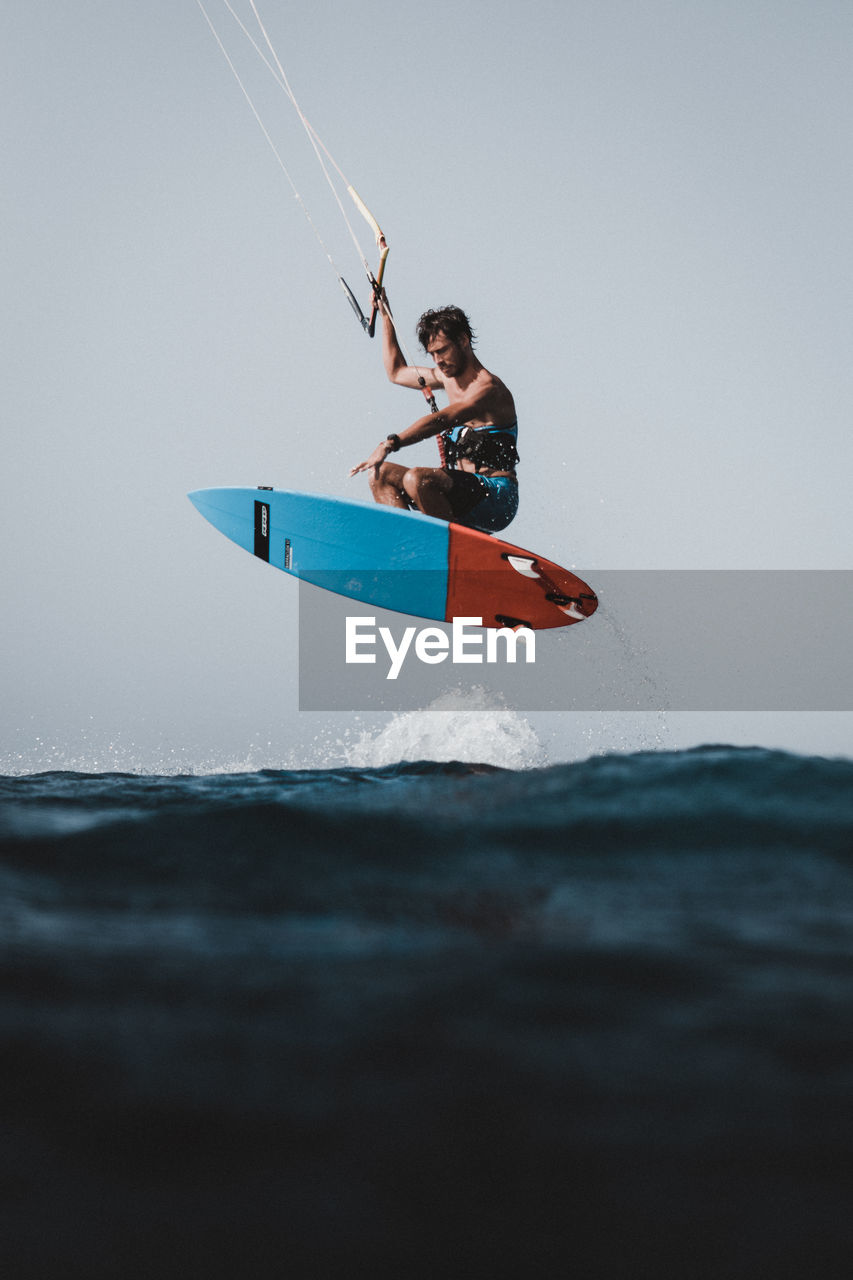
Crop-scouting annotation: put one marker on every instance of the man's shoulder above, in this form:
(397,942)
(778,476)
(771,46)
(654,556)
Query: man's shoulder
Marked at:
(497,394)
(488,383)
(485,389)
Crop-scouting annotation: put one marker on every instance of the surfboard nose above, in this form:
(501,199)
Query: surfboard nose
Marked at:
(205,502)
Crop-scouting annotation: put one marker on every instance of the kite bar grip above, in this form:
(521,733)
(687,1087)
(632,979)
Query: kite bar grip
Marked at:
(368,217)
(377,292)
(353,301)
(382,245)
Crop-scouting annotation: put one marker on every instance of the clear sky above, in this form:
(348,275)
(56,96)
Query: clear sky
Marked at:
(645,209)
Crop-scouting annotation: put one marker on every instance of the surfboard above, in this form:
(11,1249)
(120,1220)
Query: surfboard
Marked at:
(396,559)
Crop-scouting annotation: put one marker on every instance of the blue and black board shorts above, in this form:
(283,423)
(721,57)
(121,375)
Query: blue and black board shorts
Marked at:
(487,503)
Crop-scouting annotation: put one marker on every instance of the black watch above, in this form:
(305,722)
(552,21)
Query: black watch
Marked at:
(395,442)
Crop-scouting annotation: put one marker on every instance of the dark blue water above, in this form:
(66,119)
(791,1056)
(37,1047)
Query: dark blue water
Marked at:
(592,1020)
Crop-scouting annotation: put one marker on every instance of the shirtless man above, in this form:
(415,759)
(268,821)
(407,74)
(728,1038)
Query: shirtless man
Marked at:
(476,485)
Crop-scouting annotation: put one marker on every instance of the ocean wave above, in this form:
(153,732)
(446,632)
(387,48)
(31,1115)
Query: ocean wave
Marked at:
(586,1012)
(312,840)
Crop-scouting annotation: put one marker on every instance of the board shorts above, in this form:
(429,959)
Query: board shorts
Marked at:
(487,503)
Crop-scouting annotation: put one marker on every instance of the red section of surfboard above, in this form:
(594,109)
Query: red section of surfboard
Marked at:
(507,586)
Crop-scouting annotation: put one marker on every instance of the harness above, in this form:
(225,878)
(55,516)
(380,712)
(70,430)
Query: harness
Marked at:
(492,447)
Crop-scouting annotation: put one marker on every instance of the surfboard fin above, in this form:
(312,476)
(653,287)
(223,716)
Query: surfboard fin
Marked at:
(571,606)
(523,565)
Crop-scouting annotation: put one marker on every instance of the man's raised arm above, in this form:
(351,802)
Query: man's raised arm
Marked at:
(396,367)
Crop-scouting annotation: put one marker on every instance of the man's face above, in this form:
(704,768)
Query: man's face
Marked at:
(450,357)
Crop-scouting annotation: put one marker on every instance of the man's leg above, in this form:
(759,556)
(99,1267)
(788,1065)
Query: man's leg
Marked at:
(424,488)
(386,485)
(429,489)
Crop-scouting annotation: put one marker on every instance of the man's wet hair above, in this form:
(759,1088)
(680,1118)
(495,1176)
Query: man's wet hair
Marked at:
(451,321)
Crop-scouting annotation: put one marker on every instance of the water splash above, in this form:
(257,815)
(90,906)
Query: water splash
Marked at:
(467,725)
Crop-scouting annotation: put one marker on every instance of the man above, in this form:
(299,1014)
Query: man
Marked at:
(476,483)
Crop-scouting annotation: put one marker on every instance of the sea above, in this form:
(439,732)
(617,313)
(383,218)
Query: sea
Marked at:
(430,1018)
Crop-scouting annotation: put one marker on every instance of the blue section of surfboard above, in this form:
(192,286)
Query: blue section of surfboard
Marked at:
(394,559)
(360,550)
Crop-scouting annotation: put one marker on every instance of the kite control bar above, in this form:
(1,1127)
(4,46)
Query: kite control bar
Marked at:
(369,325)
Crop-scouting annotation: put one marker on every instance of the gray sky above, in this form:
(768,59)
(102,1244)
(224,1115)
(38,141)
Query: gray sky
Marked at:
(646,210)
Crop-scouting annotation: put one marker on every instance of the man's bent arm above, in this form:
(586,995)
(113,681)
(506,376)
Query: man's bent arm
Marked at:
(396,367)
(430,425)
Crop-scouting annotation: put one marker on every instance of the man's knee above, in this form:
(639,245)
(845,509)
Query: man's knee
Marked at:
(380,478)
(411,483)
(420,480)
